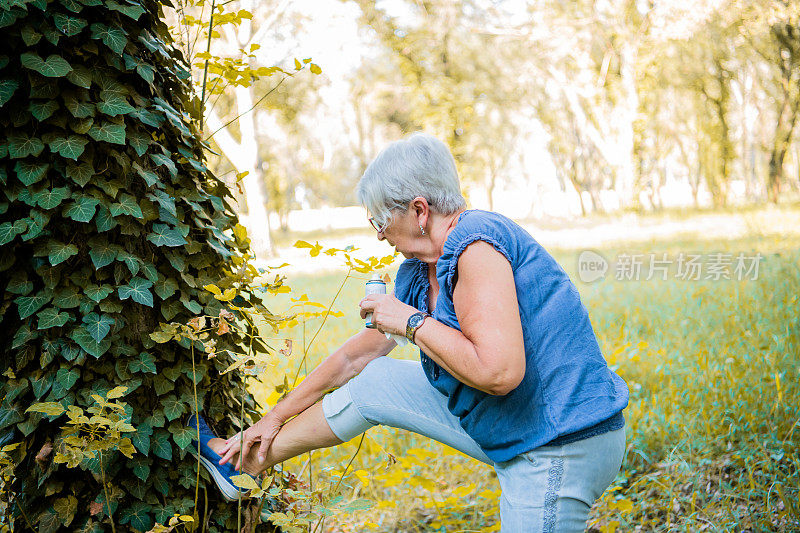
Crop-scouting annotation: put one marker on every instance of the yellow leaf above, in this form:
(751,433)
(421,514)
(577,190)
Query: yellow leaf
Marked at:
(625,506)
(240,232)
(48,408)
(244,14)
(161,336)
(307,60)
(126,447)
(227,296)
(213,289)
(186,518)
(297,65)
(117,392)
(244,481)
(315,69)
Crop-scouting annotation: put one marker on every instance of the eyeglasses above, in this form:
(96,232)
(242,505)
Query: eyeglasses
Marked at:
(379,228)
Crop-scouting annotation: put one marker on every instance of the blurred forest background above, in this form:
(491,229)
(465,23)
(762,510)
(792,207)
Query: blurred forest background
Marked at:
(552,109)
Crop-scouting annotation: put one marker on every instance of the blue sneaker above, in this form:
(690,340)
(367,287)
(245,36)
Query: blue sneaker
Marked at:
(221,474)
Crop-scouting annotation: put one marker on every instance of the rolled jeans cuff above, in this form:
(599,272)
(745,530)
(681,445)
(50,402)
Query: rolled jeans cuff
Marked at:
(342,414)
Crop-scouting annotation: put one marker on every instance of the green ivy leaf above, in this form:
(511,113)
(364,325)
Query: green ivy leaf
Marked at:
(43,110)
(145,363)
(80,173)
(7,90)
(98,293)
(139,141)
(114,37)
(27,305)
(138,516)
(138,289)
(67,377)
(82,210)
(72,5)
(98,326)
(50,198)
(82,125)
(161,384)
(133,12)
(19,283)
(160,446)
(51,318)
(79,108)
(163,235)
(140,467)
(53,67)
(70,147)
(104,220)
(166,288)
(9,230)
(150,177)
(41,383)
(58,252)
(21,145)
(114,105)
(38,220)
(126,206)
(182,435)
(80,76)
(30,36)
(108,132)
(102,252)
(91,346)
(173,407)
(67,298)
(130,260)
(29,172)
(161,159)
(69,26)
(141,438)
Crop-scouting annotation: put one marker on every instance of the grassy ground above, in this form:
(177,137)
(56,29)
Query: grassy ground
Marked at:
(712,424)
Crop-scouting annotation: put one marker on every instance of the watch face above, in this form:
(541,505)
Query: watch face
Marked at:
(415,320)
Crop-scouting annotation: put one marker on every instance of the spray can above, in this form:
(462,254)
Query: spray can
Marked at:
(374,286)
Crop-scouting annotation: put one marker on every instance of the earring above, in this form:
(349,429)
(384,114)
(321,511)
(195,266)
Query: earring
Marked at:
(422,229)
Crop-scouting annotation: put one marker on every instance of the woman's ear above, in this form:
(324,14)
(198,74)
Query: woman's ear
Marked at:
(421,209)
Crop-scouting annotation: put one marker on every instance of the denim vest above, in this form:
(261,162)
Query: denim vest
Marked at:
(568,392)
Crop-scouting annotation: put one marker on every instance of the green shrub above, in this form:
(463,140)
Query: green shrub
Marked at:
(110,223)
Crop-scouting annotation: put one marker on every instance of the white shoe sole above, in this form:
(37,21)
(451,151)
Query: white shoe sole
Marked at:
(229,492)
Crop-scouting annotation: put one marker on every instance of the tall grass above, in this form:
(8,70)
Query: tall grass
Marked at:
(713,424)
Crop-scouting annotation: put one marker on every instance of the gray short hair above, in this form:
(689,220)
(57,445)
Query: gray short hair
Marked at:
(419,165)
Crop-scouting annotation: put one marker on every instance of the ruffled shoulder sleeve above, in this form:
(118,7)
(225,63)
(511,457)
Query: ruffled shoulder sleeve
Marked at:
(474,225)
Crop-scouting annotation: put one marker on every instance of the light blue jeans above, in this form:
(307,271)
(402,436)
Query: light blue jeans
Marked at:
(548,489)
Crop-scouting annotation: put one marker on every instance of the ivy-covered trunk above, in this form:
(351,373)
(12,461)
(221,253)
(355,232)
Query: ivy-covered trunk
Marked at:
(110,223)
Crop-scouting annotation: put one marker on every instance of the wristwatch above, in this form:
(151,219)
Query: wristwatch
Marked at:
(414,322)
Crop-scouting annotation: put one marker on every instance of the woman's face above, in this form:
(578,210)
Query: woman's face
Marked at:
(404,234)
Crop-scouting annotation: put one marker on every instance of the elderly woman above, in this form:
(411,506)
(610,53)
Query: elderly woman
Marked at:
(511,372)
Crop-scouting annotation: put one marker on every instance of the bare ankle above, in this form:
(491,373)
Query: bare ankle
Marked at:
(216,444)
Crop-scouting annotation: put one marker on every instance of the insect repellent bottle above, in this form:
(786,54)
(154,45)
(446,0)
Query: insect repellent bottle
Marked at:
(374,286)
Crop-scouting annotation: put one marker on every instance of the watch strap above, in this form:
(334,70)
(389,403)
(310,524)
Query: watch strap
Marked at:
(414,324)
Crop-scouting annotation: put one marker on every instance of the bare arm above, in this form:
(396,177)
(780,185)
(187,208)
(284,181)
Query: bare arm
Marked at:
(488,353)
(343,364)
(336,370)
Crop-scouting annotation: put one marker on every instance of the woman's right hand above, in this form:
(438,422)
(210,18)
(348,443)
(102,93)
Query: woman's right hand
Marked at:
(263,432)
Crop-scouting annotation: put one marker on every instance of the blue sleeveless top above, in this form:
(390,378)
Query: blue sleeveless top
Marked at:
(568,392)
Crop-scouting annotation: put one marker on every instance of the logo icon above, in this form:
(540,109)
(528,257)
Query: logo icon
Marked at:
(591,266)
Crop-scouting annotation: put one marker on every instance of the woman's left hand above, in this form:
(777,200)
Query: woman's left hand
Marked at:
(389,314)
